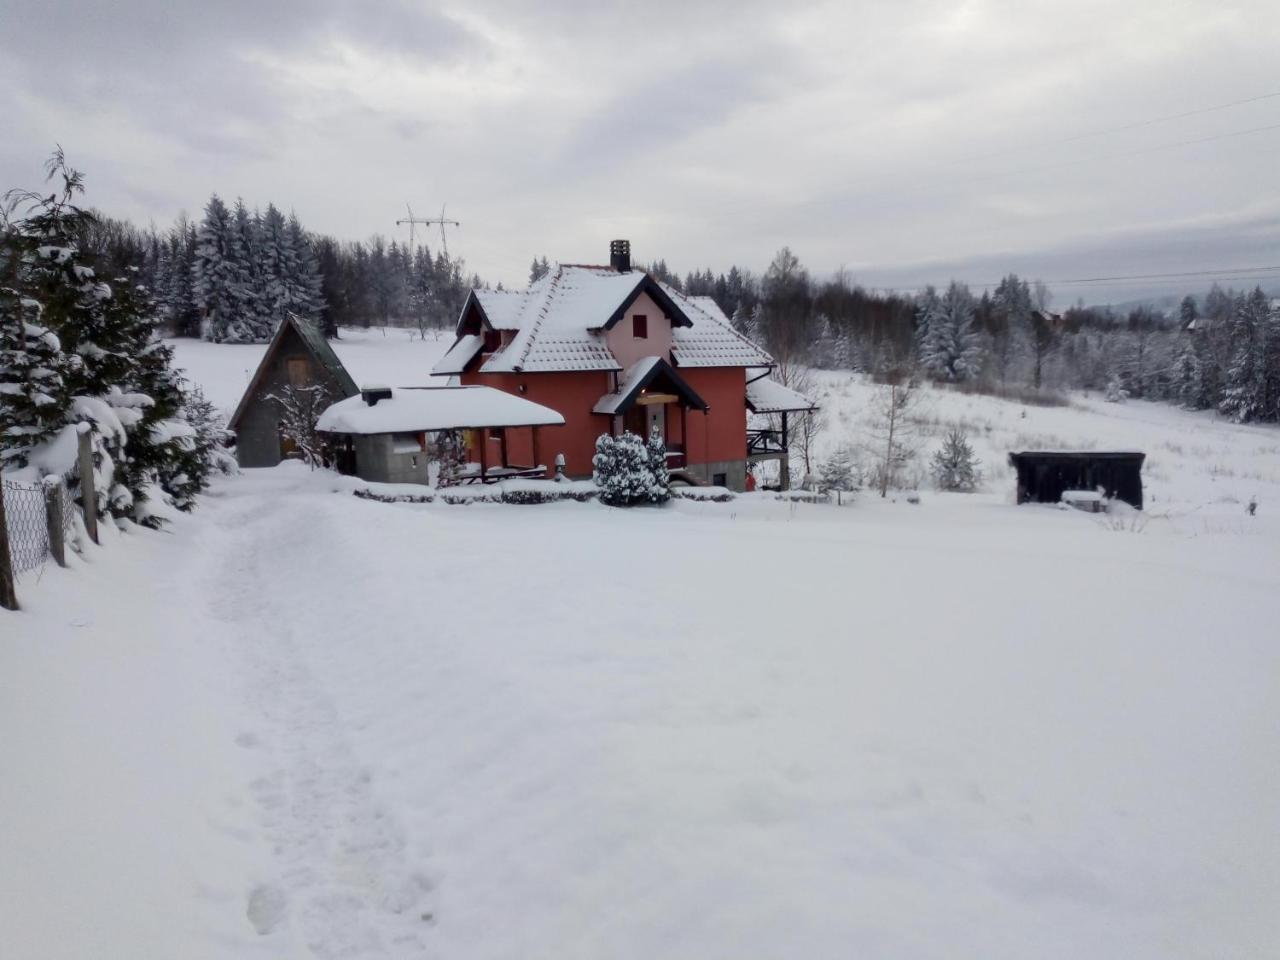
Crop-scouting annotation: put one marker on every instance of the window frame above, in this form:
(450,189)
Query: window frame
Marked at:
(640,326)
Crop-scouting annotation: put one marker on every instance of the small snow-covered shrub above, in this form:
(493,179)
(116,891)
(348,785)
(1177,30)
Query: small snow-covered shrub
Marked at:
(1116,393)
(954,465)
(463,495)
(624,473)
(394,493)
(704,494)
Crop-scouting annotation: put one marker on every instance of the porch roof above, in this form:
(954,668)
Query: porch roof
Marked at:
(769,396)
(641,375)
(424,409)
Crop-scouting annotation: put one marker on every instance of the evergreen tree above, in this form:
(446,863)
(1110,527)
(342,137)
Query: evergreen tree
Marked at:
(954,465)
(660,486)
(836,474)
(1247,393)
(216,281)
(538,269)
(303,281)
(951,349)
(34,397)
(1188,384)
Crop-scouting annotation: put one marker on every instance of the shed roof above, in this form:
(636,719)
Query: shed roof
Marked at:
(424,409)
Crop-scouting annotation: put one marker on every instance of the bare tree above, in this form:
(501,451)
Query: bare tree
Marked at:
(300,409)
(892,434)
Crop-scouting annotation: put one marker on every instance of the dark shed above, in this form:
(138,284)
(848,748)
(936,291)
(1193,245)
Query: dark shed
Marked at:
(1043,476)
(297,355)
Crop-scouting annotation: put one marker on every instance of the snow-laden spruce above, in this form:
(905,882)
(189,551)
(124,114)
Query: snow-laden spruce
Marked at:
(627,471)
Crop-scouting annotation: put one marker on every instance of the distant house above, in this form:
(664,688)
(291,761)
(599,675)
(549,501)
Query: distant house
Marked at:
(383,435)
(1045,475)
(298,355)
(612,349)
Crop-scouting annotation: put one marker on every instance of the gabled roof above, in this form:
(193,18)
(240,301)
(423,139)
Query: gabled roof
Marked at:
(320,350)
(560,323)
(426,409)
(459,355)
(639,376)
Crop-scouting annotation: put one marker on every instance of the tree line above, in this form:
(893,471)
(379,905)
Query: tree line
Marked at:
(1220,351)
(231,276)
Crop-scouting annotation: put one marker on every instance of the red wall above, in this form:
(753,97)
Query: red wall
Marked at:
(572,395)
(720,434)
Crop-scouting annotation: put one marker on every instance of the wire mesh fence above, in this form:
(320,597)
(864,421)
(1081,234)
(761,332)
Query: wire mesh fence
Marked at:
(27,519)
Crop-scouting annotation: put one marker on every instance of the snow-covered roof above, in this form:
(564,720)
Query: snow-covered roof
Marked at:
(640,375)
(711,341)
(560,324)
(459,355)
(320,348)
(769,396)
(423,409)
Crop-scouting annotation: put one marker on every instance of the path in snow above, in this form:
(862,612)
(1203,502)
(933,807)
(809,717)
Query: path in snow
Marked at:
(342,885)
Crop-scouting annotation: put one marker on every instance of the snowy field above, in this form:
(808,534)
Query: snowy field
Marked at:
(301,724)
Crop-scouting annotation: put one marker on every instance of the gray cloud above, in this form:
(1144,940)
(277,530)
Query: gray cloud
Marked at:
(903,140)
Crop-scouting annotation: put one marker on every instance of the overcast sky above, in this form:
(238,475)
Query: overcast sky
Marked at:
(905,141)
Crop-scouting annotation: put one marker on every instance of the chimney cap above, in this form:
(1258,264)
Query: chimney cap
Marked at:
(373,393)
(620,255)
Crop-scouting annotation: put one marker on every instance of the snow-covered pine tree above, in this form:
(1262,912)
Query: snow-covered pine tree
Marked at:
(1245,392)
(620,469)
(304,281)
(656,454)
(836,474)
(950,346)
(276,266)
(1188,386)
(954,466)
(34,398)
(252,322)
(823,348)
(216,271)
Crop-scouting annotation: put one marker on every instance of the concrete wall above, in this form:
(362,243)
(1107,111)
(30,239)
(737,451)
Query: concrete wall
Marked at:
(377,461)
(735,472)
(258,432)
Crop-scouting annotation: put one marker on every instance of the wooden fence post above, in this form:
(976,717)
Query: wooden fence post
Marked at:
(88,496)
(8,596)
(53,508)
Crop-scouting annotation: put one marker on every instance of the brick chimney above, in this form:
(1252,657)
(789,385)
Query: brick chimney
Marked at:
(620,255)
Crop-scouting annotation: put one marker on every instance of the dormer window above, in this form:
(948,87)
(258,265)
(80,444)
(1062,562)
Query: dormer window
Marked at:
(640,327)
(492,341)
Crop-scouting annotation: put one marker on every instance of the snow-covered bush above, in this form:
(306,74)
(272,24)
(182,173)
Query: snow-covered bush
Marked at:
(624,473)
(704,494)
(954,465)
(1116,393)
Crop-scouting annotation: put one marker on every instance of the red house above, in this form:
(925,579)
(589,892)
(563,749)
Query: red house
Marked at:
(613,349)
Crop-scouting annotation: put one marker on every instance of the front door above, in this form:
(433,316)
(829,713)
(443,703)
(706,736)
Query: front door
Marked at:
(657,420)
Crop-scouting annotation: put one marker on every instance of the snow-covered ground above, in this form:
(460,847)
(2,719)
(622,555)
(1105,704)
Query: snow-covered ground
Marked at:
(302,724)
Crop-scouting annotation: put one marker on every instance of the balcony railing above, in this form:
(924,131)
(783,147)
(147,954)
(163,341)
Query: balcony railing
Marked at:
(765,442)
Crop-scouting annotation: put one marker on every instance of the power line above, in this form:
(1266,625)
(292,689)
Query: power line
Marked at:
(1163,276)
(1125,127)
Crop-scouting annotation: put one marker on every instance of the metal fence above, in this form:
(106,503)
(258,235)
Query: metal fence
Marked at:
(28,518)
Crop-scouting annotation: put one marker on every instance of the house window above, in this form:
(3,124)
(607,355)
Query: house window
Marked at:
(299,371)
(720,479)
(492,341)
(640,327)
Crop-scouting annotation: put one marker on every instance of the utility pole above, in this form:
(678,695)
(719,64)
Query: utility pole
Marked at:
(440,221)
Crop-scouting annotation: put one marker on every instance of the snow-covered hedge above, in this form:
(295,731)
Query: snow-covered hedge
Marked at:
(521,492)
(396,493)
(706,494)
